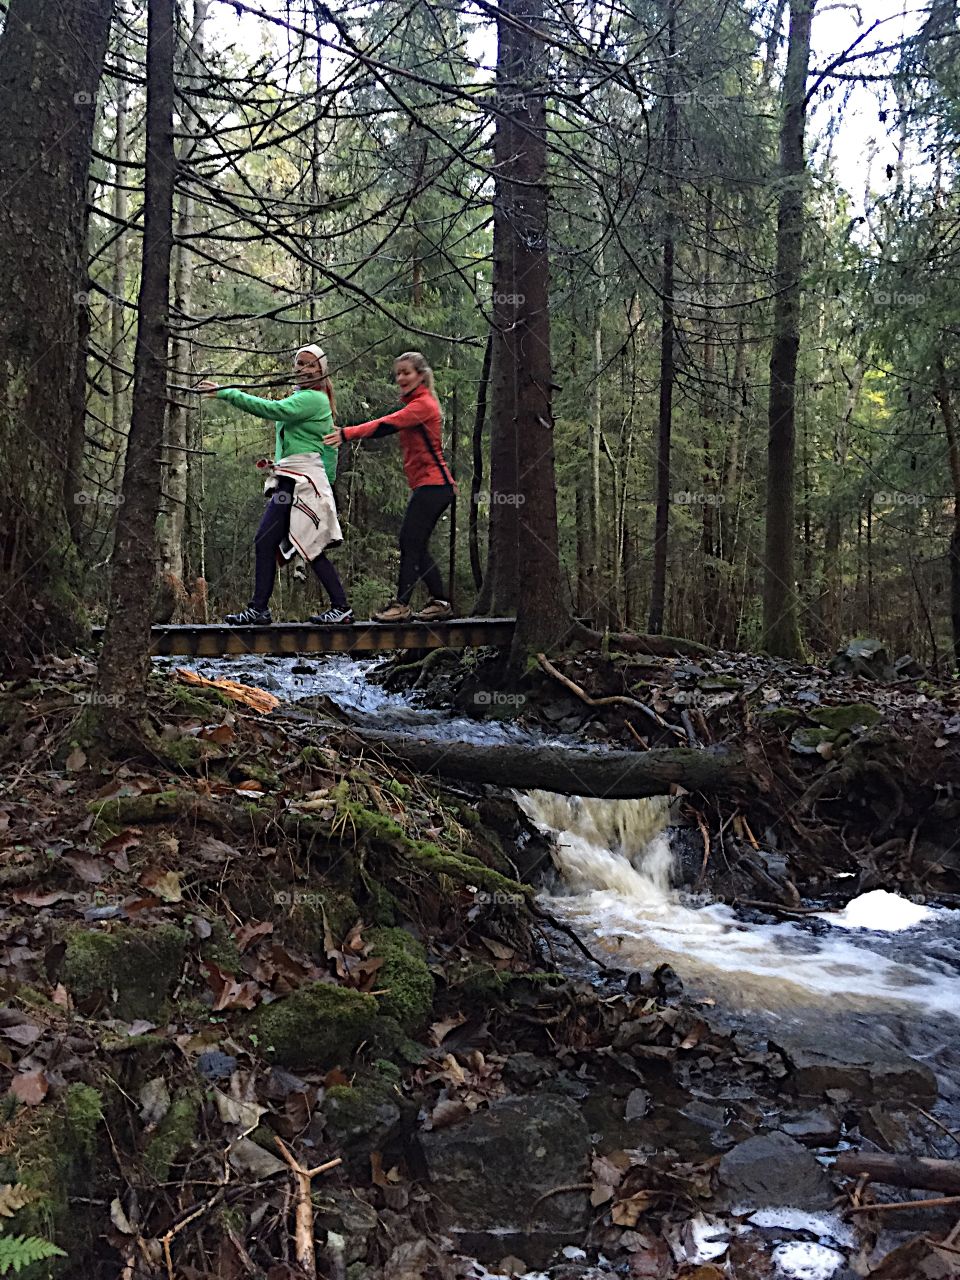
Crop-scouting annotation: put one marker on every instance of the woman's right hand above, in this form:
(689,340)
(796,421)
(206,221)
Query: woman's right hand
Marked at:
(207,388)
(335,437)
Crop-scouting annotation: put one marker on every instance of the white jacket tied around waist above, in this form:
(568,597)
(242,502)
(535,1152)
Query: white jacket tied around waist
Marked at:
(313,512)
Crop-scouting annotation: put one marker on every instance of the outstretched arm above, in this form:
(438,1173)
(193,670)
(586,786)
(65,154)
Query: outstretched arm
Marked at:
(293,408)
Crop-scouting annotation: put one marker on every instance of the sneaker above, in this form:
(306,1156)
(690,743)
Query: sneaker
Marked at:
(434,611)
(332,617)
(394,612)
(249,617)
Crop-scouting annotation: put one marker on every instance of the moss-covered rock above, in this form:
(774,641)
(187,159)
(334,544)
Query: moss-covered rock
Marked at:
(176,1131)
(319,1025)
(847,717)
(409,983)
(364,1114)
(309,910)
(128,970)
(53,1158)
(221,947)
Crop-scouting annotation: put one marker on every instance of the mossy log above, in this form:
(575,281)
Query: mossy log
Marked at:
(614,774)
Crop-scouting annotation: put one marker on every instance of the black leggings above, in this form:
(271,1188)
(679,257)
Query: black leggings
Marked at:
(427,504)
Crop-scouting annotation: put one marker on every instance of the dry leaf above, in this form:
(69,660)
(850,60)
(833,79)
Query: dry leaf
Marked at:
(626,1212)
(86,868)
(120,1219)
(250,785)
(76,759)
(30,1087)
(13,1197)
(230,994)
(165,884)
(247,934)
(22,1033)
(247,1157)
(154,1101)
(440,1030)
(33,898)
(498,948)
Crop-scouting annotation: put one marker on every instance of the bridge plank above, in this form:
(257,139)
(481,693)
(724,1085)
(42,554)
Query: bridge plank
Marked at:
(290,638)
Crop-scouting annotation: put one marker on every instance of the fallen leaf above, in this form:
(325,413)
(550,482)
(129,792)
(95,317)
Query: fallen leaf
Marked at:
(61,996)
(447,1112)
(23,1033)
(166,884)
(122,841)
(247,934)
(221,733)
(440,1030)
(626,1212)
(334,1077)
(213,850)
(233,1111)
(76,759)
(230,994)
(120,1219)
(154,1101)
(86,868)
(30,1087)
(247,1157)
(33,898)
(498,948)
(250,785)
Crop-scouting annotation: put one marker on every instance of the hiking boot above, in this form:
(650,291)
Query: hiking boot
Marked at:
(331,617)
(394,612)
(434,611)
(249,617)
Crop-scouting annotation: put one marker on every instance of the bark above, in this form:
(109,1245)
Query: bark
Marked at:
(833,530)
(454,449)
(125,662)
(773,42)
(902,1171)
(172,522)
(542,618)
(613,774)
(52,57)
(476,478)
(953,452)
(665,418)
(781,629)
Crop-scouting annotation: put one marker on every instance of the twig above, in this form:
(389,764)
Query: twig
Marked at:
(706,849)
(557,1191)
(615,700)
(306,1249)
(571,933)
(934,1203)
(938,1123)
(643,743)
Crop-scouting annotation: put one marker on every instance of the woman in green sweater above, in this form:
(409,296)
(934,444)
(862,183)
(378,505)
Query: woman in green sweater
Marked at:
(301,421)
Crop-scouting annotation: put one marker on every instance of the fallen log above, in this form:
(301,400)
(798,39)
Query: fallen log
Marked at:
(569,771)
(902,1171)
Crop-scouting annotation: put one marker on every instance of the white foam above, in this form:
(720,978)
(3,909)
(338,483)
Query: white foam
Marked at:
(801,1261)
(830,1225)
(879,910)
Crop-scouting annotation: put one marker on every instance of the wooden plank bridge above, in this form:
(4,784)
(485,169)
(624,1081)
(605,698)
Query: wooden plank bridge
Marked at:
(290,638)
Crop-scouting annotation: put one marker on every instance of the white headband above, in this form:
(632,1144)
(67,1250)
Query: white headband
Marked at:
(319,353)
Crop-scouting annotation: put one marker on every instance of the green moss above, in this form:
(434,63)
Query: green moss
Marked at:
(177,1130)
(409,982)
(123,810)
(430,857)
(398,789)
(260,773)
(307,916)
(319,1025)
(361,1116)
(844,718)
(54,1159)
(187,752)
(785,718)
(195,700)
(129,970)
(221,947)
(482,981)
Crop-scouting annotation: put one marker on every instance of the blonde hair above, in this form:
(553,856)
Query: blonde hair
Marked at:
(419,361)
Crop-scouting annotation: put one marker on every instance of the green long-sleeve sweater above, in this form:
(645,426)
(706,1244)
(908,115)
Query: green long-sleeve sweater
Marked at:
(301,421)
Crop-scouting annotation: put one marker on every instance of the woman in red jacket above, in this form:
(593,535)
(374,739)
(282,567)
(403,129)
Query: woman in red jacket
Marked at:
(428,475)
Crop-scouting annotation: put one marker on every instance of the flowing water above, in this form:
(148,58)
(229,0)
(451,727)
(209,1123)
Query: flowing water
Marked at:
(883,967)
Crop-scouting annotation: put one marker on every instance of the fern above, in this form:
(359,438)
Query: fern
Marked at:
(13,1197)
(17,1252)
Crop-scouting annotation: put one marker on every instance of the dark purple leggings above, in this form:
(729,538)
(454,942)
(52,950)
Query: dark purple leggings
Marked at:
(273,529)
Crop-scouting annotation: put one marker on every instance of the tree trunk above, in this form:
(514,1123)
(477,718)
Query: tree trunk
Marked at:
(125,662)
(833,529)
(665,420)
(52,57)
(781,631)
(542,619)
(609,774)
(175,470)
(773,42)
(476,477)
(953,451)
(902,1170)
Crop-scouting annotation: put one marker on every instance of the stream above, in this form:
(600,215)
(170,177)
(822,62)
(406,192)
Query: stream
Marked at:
(883,968)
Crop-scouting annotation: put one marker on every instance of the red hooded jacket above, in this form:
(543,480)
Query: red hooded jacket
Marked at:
(418,423)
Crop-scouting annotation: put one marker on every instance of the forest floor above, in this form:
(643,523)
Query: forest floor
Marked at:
(264,950)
